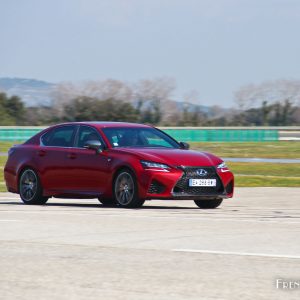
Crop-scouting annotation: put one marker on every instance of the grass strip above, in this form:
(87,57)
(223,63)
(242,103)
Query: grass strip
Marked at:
(261,174)
(265,169)
(4,146)
(260,181)
(280,149)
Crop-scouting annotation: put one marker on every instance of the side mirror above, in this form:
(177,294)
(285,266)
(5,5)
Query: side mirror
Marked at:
(94,145)
(184,145)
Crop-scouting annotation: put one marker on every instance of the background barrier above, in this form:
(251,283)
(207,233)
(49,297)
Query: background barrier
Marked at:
(184,134)
(223,135)
(18,133)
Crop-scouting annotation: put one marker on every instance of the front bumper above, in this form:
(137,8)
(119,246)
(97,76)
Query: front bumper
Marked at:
(174,184)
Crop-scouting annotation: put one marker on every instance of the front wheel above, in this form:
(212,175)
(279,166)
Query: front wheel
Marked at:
(125,190)
(30,188)
(208,204)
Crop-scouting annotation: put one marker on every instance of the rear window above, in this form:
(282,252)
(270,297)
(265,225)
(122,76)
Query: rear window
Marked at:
(60,137)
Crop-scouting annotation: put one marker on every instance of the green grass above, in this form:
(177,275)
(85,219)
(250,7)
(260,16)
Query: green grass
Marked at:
(258,181)
(2,163)
(246,174)
(2,160)
(4,146)
(2,184)
(261,174)
(280,149)
(265,169)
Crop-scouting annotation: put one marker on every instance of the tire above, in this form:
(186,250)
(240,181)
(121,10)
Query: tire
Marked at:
(125,190)
(208,204)
(30,188)
(107,202)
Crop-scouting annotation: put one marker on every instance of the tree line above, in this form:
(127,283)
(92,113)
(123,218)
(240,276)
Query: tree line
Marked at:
(150,102)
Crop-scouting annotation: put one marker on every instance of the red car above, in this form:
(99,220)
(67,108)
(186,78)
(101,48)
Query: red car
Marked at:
(121,164)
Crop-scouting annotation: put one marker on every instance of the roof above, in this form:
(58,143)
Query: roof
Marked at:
(106,124)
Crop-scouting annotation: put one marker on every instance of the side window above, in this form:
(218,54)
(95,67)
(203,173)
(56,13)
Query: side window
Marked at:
(87,134)
(59,137)
(114,136)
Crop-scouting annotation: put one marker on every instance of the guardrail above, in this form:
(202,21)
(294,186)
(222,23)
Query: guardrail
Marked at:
(223,135)
(18,133)
(185,134)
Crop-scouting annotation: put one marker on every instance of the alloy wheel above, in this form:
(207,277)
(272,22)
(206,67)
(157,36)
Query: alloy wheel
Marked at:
(28,185)
(124,188)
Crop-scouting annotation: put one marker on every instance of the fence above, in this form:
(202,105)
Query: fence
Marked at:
(184,134)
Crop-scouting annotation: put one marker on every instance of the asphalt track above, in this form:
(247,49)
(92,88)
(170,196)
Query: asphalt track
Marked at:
(77,249)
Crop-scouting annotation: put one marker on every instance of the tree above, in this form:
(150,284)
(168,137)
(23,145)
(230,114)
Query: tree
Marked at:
(66,92)
(91,109)
(271,92)
(38,116)
(275,98)
(150,98)
(282,113)
(152,95)
(11,110)
(265,110)
(15,108)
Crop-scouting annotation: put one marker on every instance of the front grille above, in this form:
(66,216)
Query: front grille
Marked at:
(156,187)
(182,186)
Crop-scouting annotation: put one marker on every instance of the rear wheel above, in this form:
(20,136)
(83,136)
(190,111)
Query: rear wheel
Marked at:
(30,188)
(208,204)
(125,190)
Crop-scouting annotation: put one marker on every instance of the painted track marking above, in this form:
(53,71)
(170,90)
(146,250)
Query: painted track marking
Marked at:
(237,253)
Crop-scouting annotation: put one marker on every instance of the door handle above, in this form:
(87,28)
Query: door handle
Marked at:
(71,155)
(41,153)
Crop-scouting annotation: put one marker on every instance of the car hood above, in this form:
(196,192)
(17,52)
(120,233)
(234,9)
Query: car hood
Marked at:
(174,157)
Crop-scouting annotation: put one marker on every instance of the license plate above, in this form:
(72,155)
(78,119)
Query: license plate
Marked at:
(202,182)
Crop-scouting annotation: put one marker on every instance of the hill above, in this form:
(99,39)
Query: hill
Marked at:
(32,92)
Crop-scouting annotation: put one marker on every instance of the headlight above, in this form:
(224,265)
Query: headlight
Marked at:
(222,166)
(151,164)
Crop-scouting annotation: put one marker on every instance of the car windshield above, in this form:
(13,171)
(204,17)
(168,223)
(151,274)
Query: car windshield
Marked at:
(139,137)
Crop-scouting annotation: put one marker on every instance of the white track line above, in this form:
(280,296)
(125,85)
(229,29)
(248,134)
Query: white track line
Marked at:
(123,215)
(237,253)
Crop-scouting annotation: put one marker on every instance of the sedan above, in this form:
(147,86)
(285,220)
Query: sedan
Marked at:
(121,164)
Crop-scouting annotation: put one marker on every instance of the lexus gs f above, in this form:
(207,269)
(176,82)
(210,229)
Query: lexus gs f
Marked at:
(121,164)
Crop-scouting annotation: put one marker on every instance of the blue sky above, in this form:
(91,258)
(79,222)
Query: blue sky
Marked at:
(213,47)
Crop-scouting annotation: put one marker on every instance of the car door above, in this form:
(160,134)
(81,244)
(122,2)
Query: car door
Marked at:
(89,169)
(53,155)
